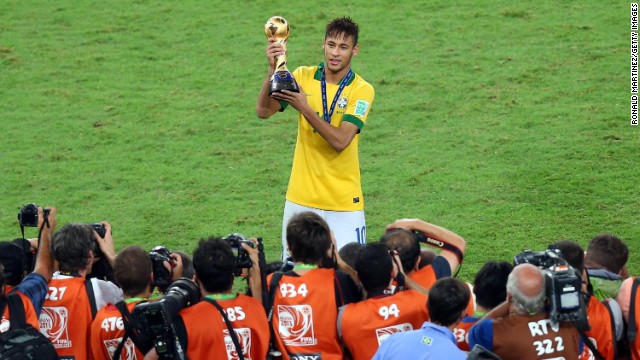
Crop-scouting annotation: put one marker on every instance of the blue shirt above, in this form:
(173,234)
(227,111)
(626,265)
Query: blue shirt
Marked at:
(35,287)
(429,342)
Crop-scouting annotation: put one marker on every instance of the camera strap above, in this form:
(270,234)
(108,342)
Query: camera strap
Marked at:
(130,323)
(232,333)
(631,329)
(612,321)
(590,345)
(88,284)
(273,285)
(443,245)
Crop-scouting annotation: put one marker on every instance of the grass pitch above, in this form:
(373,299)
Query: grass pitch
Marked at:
(507,123)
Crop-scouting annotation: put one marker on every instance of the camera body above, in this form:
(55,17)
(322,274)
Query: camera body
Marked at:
(28,215)
(243,261)
(562,284)
(161,276)
(154,318)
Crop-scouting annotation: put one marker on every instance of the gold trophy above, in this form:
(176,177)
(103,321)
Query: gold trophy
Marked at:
(282,79)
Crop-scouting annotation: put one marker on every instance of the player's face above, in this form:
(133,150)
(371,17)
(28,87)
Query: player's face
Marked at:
(338,52)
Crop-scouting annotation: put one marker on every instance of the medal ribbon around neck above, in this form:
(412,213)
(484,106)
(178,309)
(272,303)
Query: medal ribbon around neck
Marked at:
(326,115)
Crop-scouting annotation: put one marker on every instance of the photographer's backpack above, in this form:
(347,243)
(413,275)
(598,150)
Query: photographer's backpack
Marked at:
(22,341)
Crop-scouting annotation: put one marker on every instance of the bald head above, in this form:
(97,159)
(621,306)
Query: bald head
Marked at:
(526,288)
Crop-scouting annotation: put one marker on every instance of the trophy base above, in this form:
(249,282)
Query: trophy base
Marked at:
(283,80)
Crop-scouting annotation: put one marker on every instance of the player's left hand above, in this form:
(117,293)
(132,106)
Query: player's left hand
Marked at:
(298,100)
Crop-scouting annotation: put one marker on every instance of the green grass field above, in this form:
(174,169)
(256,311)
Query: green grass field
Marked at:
(505,122)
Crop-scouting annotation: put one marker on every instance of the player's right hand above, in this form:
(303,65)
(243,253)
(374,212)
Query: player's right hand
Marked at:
(274,49)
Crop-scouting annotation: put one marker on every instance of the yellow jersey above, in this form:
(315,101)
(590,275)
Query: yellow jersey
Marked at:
(322,177)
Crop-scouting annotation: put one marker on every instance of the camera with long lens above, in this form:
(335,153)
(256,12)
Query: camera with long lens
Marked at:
(243,261)
(28,215)
(562,283)
(154,319)
(161,275)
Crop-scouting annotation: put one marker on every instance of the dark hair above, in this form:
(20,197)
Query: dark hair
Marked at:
(448,299)
(608,251)
(187,264)
(214,262)
(344,27)
(406,244)
(374,266)
(426,257)
(490,283)
(309,239)
(349,252)
(132,270)
(1,280)
(71,245)
(273,267)
(572,252)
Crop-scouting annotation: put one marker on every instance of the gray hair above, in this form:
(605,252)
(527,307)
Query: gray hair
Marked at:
(524,304)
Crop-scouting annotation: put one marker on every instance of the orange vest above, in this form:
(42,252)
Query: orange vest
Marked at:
(107,331)
(29,312)
(208,336)
(366,324)
(66,317)
(426,276)
(461,332)
(601,330)
(305,315)
(534,337)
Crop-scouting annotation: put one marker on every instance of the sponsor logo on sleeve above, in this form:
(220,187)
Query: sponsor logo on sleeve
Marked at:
(361,108)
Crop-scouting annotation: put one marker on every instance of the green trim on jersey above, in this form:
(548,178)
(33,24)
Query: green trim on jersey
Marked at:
(354,120)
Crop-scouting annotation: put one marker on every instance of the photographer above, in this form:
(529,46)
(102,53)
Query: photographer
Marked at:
(404,235)
(201,328)
(306,299)
(72,301)
(133,272)
(447,302)
(520,328)
(605,260)
(490,290)
(365,324)
(604,316)
(31,288)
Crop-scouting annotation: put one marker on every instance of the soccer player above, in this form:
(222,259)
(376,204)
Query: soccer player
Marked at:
(333,105)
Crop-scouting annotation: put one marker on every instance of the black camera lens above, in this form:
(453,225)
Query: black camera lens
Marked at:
(28,215)
(100,229)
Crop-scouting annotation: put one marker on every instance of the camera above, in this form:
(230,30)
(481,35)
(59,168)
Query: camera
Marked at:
(154,319)
(161,276)
(102,231)
(28,215)
(562,284)
(243,261)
